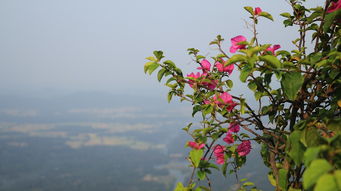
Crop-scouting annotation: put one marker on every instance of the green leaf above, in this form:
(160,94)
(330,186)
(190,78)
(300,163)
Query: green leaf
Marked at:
(196,155)
(291,83)
(310,137)
(296,148)
(152,67)
(271,60)
(258,95)
(272,180)
(169,97)
(244,73)
(179,187)
(252,51)
(337,175)
(229,83)
(242,106)
(213,166)
(151,58)
(294,189)
(266,15)
(196,109)
(249,9)
(200,57)
(160,74)
(205,188)
(288,22)
(321,63)
(201,174)
(158,54)
(207,109)
(329,19)
(316,169)
(235,58)
(334,125)
(311,154)
(170,80)
(326,183)
(224,168)
(170,63)
(286,15)
(252,86)
(283,176)
(146,66)
(248,184)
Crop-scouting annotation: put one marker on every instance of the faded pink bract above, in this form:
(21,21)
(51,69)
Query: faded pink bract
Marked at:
(244,148)
(235,41)
(195,145)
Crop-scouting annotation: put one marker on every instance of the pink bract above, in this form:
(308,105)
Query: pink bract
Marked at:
(225,99)
(195,76)
(244,148)
(229,138)
(207,102)
(195,145)
(210,85)
(235,41)
(234,128)
(221,68)
(258,11)
(192,75)
(334,6)
(205,66)
(219,154)
(273,48)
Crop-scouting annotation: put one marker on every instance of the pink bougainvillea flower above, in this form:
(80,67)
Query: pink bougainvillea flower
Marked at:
(231,106)
(229,138)
(334,6)
(193,75)
(221,68)
(210,85)
(235,46)
(224,99)
(195,145)
(191,82)
(273,48)
(207,101)
(219,154)
(244,148)
(258,11)
(220,160)
(205,66)
(199,79)
(234,128)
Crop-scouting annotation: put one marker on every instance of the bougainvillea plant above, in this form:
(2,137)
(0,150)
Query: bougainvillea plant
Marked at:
(297,118)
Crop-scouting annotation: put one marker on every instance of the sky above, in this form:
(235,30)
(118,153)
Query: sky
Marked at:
(58,47)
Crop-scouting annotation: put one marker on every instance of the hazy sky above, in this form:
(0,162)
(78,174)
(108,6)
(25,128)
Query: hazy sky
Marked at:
(99,45)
